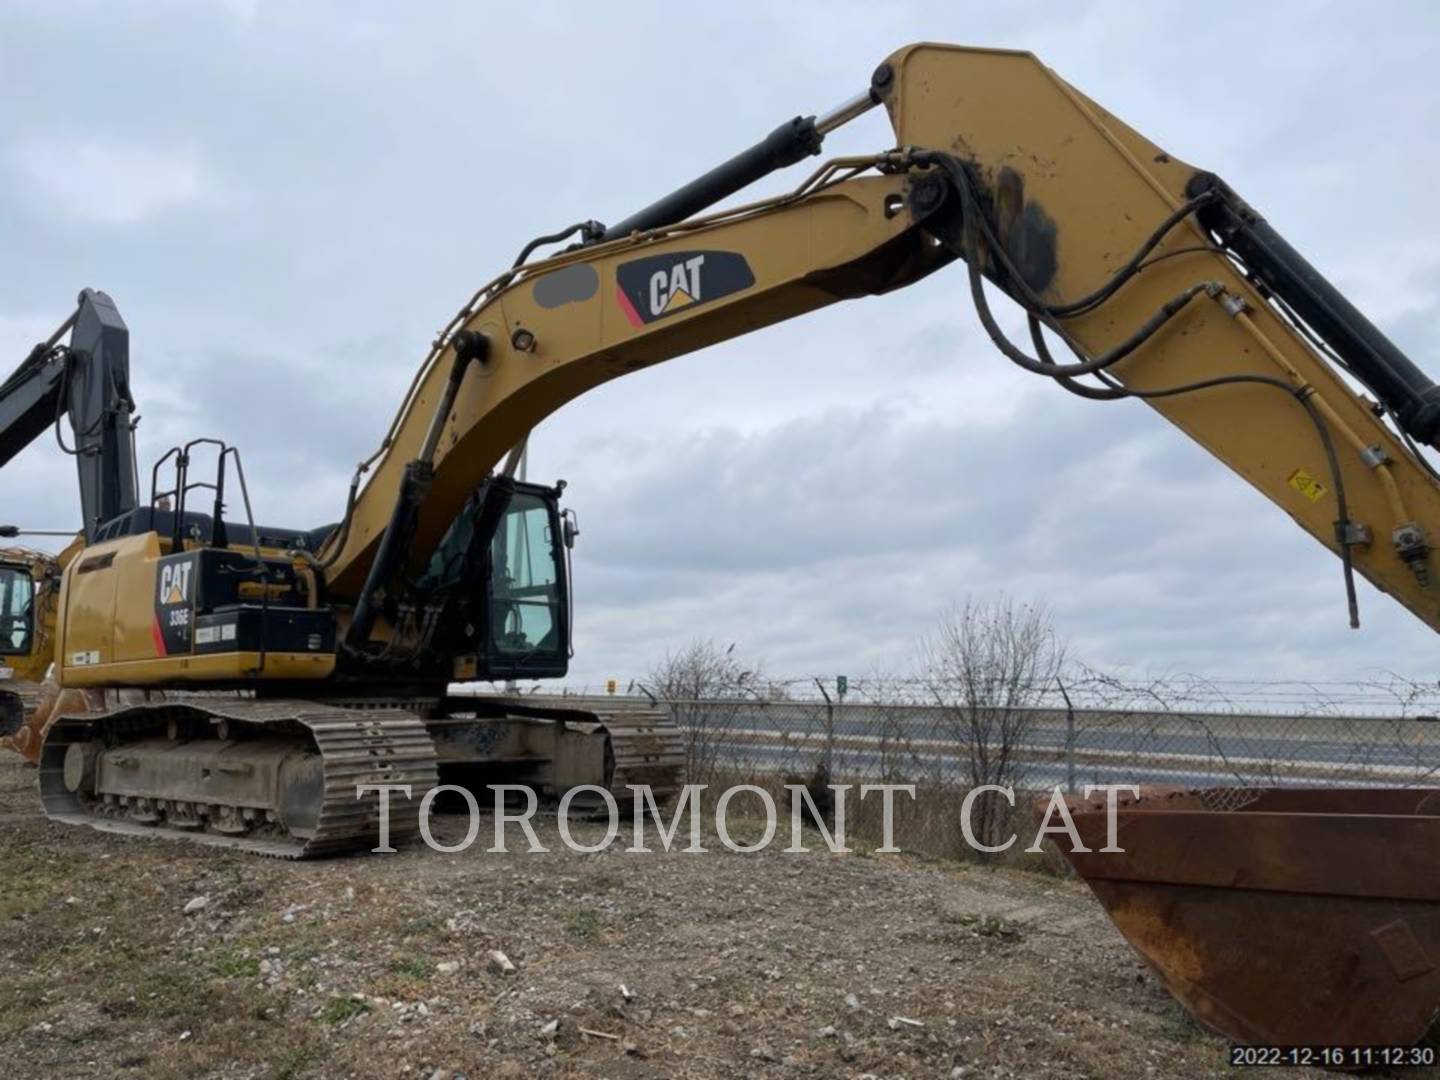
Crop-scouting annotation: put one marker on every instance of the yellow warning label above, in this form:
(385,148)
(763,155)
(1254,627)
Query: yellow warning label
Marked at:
(1307,485)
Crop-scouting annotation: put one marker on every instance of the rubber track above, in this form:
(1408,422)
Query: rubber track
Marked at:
(357,747)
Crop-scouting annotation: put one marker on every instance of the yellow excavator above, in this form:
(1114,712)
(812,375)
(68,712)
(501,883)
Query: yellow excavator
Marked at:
(240,680)
(29,591)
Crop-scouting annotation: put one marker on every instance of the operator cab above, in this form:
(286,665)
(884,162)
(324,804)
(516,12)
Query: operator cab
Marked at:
(506,603)
(17,610)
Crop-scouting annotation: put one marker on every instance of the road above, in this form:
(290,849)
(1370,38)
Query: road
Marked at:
(1192,750)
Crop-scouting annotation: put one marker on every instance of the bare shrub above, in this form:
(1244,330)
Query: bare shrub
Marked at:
(706,686)
(987,665)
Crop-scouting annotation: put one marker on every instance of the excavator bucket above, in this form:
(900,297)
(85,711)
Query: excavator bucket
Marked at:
(1279,916)
(28,708)
(24,709)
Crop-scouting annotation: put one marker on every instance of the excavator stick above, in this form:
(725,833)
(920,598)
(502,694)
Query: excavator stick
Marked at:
(1280,916)
(1276,916)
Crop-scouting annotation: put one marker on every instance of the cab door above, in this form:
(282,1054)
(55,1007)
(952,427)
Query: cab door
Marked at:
(528,628)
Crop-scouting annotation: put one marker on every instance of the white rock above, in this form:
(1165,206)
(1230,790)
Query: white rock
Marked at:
(196,904)
(184,1035)
(500,963)
(550,1030)
(448,967)
(852,1001)
(828,1032)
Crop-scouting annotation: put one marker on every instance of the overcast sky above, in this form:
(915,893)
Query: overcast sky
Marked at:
(288,200)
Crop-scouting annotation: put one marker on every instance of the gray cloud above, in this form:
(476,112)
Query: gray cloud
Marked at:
(287,202)
(845,535)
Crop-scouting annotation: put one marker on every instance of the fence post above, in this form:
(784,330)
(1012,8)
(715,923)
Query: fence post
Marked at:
(1069,738)
(829,731)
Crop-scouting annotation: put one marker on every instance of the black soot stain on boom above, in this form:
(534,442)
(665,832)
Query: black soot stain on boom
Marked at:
(1027,231)
(1031,246)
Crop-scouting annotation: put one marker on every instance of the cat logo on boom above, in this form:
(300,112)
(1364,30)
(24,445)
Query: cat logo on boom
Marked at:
(660,285)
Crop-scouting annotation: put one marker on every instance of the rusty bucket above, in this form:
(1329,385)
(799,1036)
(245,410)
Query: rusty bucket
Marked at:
(24,709)
(1280,916)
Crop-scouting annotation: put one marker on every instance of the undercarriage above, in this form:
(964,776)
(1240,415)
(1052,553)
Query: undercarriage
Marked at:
(296,779)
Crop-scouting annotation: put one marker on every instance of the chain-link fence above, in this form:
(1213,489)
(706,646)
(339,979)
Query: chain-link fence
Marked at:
(1093,731)
(873,742)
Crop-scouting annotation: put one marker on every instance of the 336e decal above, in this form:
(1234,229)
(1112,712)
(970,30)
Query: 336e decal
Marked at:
(174,604)
(659,285)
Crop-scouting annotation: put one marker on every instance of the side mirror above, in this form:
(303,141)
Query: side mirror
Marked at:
(570,526)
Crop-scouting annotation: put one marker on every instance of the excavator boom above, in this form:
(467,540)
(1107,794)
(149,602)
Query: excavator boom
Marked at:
(1070,193)
(87,381)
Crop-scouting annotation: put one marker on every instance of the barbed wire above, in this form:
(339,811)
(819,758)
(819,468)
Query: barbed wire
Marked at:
(1387,694)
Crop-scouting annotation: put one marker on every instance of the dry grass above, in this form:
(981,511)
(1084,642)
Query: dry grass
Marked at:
(926,825)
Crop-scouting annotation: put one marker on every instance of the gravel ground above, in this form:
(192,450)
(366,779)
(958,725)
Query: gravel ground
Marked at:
(152,959)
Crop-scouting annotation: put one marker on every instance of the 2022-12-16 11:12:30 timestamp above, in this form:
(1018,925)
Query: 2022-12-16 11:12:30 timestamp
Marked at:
(1334,1057)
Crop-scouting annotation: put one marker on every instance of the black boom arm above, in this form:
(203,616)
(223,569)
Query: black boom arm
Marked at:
(89,381)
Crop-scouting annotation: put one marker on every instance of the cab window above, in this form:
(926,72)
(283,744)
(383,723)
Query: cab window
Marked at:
(17,610)
(525,616)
